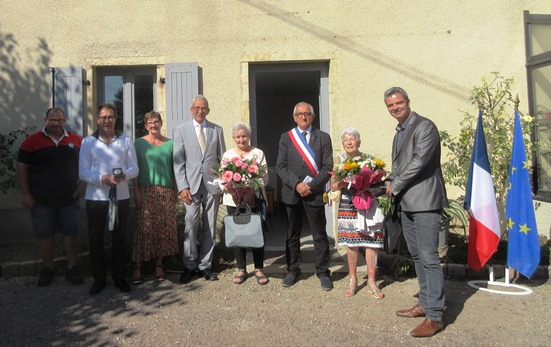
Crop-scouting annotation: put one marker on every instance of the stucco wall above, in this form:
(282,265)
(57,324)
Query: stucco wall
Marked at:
(437,50)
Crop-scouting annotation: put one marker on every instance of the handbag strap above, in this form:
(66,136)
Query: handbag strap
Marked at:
(248,210)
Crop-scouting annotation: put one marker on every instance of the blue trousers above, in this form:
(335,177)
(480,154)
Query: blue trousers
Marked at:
(421,233)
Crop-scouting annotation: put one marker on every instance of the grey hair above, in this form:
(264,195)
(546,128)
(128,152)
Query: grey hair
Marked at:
(304,103)
(350,131)
(396,90)
(200,97)
(241,126)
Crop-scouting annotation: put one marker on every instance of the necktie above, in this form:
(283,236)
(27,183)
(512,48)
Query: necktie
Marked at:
(201,138)
(305,133)
(400,129)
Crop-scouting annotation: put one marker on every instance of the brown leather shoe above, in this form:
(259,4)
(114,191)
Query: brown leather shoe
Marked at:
(427,328)
(415,311)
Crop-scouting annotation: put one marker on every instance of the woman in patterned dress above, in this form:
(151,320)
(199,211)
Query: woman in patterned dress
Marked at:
(358,228)
(155,196)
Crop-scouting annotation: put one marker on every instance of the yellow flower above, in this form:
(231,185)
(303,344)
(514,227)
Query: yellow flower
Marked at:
(380,163)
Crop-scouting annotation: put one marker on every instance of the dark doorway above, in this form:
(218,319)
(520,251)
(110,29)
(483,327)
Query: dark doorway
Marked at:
(274,91)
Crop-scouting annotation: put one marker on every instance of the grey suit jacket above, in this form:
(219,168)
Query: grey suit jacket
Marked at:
(190,167)
(417,180)
(292,169)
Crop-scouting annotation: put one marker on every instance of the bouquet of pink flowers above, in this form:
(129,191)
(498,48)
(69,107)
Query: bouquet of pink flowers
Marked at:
(361,172)
(242,177)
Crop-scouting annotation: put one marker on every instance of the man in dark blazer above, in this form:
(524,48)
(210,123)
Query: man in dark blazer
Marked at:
(418,187)
(304,178)
(198,145)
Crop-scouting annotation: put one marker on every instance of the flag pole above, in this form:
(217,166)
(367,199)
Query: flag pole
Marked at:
(484,285)
(507,274)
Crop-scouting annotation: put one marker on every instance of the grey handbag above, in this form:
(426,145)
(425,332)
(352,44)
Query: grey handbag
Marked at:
(244,229)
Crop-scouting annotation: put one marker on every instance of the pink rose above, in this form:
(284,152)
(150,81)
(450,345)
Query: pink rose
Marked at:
(237,177)
(227,176)
(253,169)
(234,159)
(224,162)
(244,165)
(239,163)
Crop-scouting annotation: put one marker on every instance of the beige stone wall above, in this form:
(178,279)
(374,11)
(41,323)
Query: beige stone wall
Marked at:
(437,50)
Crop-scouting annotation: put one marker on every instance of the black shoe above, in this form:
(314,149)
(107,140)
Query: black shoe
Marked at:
(122,285)
(326,283)
(46,277)
(290,279)
(208,275)
(97,287)
(73,276)
(186,276)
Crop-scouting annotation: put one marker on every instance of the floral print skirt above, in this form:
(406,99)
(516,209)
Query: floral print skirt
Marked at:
(155,234)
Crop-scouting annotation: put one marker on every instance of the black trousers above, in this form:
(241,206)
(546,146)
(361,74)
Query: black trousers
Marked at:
(241,253)
(316,219)
(97,225)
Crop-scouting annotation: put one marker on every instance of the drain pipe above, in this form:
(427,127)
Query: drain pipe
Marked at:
(52,70)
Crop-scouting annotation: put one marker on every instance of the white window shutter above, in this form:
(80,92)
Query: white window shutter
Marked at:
(69,95)
(182,85)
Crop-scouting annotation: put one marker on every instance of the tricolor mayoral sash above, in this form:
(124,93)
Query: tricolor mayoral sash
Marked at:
(308,156)
(304,150)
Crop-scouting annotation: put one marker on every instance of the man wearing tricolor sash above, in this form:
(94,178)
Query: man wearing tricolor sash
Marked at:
(304,161)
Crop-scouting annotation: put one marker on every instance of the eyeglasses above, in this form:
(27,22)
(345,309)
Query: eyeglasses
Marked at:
(303,114)
(109,118)
(61,120)
(199,108)
(155,122)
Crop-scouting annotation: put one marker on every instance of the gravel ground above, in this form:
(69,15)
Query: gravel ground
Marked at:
(224,314)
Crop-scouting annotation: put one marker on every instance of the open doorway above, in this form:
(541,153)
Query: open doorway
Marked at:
(274,90)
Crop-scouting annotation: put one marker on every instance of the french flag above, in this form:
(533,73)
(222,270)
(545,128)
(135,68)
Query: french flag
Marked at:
(480,201)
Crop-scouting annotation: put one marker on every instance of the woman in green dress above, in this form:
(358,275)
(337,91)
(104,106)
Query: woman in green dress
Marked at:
(155,195)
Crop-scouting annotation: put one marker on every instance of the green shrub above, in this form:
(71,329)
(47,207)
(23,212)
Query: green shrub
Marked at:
(8,156)
(495,100)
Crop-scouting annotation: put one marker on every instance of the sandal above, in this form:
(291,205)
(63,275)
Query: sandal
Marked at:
(352,287)
(377,293)
(137,277)
(260,279)
(240,277)
(159,276)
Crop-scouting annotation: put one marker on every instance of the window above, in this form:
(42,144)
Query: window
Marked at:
(537,30)
(132,90)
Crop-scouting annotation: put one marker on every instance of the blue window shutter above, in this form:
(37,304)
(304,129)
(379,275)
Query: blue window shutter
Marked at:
(182,85)
(69,96)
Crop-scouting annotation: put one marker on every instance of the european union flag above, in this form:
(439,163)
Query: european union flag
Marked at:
(523,252)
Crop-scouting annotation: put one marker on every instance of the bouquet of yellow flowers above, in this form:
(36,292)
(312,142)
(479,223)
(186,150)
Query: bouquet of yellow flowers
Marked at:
(353,165)
(360,172)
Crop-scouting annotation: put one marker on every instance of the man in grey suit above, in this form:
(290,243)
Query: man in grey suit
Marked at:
(304,178)
(198,145)
(418,187)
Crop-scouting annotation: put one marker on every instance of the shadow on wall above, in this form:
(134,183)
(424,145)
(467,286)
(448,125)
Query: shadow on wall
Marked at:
(24,82)
(25,86)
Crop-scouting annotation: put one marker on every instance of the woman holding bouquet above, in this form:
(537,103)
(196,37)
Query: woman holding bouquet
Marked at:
(253,160)
(360,220)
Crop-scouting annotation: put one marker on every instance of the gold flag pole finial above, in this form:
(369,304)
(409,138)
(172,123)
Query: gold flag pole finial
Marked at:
(516,101)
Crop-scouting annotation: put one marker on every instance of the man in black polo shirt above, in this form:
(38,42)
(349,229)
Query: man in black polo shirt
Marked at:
(47,173)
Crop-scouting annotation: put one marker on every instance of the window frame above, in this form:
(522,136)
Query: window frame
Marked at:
(128,73)
(534,62)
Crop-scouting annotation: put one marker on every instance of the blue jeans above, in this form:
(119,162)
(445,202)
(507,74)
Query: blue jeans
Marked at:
(421,233)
